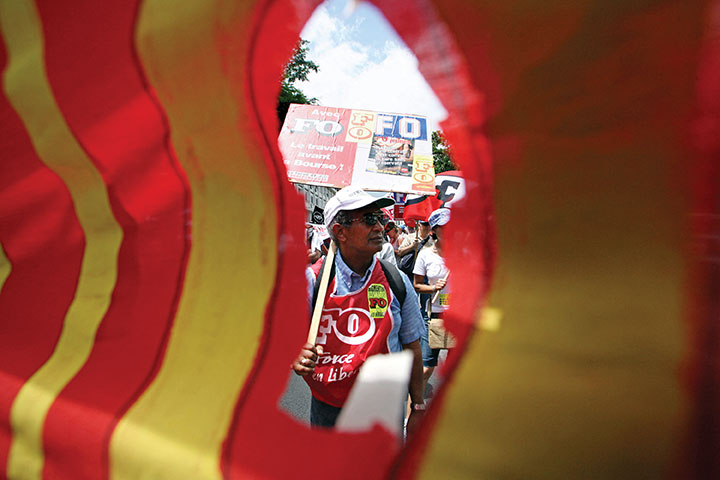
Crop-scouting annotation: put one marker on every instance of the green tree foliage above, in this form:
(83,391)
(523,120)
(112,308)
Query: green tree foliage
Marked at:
(442,160)
(296,70)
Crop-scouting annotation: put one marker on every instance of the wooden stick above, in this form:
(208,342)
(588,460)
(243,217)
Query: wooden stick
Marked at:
(319,303)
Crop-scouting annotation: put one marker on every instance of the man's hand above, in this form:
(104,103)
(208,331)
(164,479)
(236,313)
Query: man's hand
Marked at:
(440,284)
(414,420)
(410,247)
(305,363)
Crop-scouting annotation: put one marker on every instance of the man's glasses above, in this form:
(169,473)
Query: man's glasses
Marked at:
(371,219)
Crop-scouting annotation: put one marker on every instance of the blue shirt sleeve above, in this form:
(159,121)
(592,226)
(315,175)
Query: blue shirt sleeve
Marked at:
(310,279)
(412,326)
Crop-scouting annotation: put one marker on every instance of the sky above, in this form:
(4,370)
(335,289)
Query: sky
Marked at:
(364,64)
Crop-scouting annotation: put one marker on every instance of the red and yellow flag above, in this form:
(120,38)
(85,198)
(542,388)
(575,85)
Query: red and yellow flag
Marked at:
(151,247)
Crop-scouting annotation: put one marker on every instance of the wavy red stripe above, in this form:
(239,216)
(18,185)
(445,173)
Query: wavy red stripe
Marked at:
(43,240)
(100,88)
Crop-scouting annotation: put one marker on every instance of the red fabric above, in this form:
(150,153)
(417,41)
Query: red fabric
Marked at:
(419,207)
(352,328)
(317,266)
(702,363)
(124,130)
(389,212)
(479,69)
(39,230)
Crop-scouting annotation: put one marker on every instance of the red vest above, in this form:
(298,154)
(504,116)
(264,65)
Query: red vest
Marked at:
(352,327)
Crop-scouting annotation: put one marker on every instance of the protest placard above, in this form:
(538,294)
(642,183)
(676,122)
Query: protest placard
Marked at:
(337,147)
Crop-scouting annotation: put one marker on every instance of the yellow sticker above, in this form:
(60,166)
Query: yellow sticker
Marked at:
(361,127)
(377,300)
(444,299)
(423,174)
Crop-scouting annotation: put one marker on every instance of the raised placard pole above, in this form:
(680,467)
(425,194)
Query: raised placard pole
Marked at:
(320,301)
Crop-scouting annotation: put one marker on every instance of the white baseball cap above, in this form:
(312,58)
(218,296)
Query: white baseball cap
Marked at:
(352,198)
(440,217)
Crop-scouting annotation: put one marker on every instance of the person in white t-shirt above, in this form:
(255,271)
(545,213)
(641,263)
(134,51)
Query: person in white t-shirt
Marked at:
(431,277)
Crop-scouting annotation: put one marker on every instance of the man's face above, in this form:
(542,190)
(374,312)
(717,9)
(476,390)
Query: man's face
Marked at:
(361,238)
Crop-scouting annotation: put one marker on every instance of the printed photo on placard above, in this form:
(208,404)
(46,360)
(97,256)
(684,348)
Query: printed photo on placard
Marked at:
(390,155)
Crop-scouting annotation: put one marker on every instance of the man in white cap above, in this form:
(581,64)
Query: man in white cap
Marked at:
(370,308)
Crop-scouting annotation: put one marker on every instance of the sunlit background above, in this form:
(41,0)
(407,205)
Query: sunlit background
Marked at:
(364,64)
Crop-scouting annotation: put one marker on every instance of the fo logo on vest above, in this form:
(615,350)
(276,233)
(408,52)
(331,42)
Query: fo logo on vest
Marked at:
(353,326)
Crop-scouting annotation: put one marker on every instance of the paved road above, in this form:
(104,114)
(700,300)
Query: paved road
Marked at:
(296,399)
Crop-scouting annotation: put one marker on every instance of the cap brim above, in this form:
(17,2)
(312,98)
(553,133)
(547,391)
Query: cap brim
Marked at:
(383,202)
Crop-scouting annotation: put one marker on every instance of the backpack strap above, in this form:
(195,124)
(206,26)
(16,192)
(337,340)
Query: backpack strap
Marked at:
(394,279)
(391,273)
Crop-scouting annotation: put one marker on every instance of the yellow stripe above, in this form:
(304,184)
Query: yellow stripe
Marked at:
(5,267)
(26,85)
(176,429)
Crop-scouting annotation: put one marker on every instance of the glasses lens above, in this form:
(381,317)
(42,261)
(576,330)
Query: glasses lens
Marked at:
(372,218)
